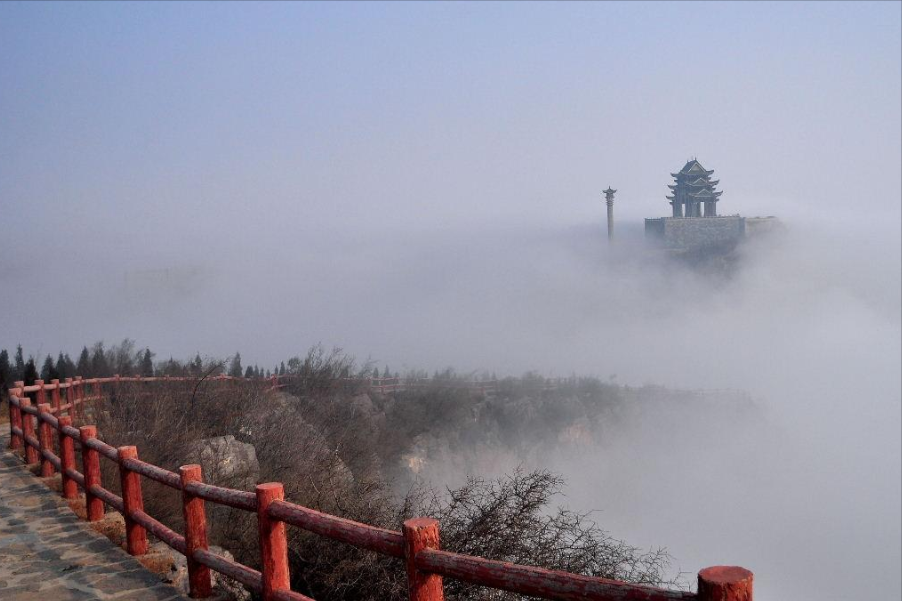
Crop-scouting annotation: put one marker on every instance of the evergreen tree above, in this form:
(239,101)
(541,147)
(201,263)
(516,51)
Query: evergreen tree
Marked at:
(48,370)
(235,367)
(62,370)
(386,373)
(6,371)
(147,364)
(99,364)
(197,366)
(375,373)
(172,368)
(282,369)
(83,367)
(70,366)
(20,364)
(30,374)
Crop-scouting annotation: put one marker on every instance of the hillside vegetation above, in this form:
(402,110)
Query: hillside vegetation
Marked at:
(340,448)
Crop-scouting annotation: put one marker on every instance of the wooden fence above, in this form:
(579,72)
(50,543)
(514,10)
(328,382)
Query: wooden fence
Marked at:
(46,432)
(392,385)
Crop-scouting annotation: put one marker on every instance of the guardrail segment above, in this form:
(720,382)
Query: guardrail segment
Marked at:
(417,544)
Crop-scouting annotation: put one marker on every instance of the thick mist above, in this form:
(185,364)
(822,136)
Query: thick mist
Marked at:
(800,489)
(419,184)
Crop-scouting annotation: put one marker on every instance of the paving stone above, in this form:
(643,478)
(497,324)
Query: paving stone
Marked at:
(47,553)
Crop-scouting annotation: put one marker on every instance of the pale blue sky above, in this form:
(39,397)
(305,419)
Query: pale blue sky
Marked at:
(420,183)
(371,115)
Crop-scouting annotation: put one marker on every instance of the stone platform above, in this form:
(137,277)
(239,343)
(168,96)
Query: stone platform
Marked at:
(48,554)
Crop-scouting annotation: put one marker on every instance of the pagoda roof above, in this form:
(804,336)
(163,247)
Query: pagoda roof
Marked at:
(705,194)
(693,167)
(609,190)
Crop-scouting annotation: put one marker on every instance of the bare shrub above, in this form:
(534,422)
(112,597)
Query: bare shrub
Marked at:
(323,443)
(510,519)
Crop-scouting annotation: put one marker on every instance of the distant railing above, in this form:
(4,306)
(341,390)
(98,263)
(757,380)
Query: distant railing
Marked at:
(417,544)
(393,385)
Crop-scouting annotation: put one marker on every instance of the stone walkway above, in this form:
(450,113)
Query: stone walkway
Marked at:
(48,554)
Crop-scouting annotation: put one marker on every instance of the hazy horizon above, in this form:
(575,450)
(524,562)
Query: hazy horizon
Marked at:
(420,184)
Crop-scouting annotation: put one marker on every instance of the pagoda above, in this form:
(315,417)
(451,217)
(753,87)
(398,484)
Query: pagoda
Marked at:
(692,188)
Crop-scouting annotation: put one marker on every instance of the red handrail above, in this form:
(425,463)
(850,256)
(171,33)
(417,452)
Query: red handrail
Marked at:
(417,544)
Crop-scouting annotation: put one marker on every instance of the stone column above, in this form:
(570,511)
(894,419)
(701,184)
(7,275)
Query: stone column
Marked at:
(609,200)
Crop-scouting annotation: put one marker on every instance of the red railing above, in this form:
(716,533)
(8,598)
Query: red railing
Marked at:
(417,544)
(391,385)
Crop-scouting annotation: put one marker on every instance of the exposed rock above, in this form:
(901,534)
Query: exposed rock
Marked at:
(176,573)
(364,404)
(227,462)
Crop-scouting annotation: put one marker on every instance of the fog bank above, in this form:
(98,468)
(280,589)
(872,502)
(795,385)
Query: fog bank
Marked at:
(808,324)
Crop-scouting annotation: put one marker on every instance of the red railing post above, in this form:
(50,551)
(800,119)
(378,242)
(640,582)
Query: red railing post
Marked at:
(45,437)
(90,465)
(135,534)
(725,583)
(67,458)
(55,395)
(41,396)
(273,541)
(419,534)
(79,396)
(199,583)
(31,453)
(15,417)
(69,395)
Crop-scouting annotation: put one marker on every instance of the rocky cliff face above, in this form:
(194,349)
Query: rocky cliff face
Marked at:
(227,462)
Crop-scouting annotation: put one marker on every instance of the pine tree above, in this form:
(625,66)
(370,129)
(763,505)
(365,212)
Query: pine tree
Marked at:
(249,372)
(48,370)
(6,371)
(375,373)
(70,366)
(282,369)
(30,373)
(235,368)
(99,364)
(172,368)
(83,367)
(20,364)
(61,369)
(197,366)
(147,364)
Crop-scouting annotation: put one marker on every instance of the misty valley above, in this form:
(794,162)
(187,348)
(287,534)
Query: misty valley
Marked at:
(473,450)
(451,301)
